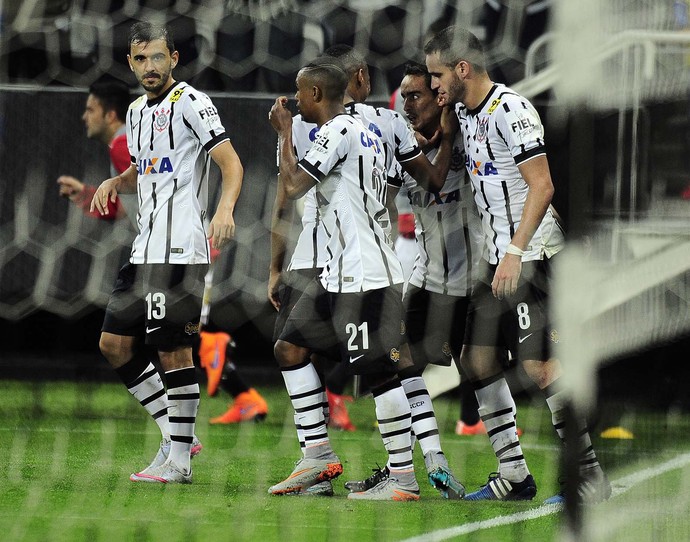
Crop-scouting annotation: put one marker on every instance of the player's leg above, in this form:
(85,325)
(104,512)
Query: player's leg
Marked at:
(336,380)
(469,422)
(481,359)
(173,294)
(248,404)
(121,343)
(534,347)
(307,327)
(431,322)
(369,329)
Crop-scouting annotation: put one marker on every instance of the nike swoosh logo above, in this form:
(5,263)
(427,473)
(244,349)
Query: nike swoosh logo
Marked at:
(522,339)
(152,329)
(352,360)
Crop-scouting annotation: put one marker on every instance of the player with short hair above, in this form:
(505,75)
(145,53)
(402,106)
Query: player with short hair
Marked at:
(172,131)
(449,242)
(404,157)
(352,312)
(104,117)
(506,160)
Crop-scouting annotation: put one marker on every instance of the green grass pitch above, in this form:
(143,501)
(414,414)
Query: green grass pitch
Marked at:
(67,450)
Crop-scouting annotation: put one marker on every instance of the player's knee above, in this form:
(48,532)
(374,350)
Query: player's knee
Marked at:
(542,373)
(410,372)
(288,354)
(113,350)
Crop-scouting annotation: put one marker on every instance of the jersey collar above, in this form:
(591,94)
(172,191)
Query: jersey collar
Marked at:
(483,102)
(159,99)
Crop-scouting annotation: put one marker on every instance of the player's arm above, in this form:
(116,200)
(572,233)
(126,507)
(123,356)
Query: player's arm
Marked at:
(124,183)
(222,228)
(432,175)
(538,178)
(391,194)
(296,182)
(81,195)
(281,218)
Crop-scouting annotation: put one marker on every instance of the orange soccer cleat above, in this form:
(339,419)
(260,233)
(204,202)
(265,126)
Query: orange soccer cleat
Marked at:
(248,406)
(462,429)
(338,416)
(212,353)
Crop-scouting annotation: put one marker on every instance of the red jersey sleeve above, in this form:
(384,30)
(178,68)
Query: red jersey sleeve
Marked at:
(85,203)
(119,153)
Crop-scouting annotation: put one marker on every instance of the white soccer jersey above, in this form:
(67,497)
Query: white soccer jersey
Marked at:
(400,145)
(169,139)
(310,250)
(398,138)
(347,161)
(501,133)
(448,232)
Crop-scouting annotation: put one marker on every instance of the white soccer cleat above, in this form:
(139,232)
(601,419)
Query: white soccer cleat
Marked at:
(389,489)
(166,473)
(308,473)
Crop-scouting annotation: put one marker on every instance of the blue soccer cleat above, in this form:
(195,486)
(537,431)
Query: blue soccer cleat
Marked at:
(500,489)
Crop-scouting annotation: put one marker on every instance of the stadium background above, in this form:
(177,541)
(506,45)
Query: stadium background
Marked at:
(57,266)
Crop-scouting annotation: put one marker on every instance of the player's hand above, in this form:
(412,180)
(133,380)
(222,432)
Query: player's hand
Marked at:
(222,228)
(280,116)
(274,282)
(71,188)
(423,142)
(107,191)
(506,278)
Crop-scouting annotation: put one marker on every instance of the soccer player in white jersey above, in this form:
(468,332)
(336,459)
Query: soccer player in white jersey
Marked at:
(430,172)
(448,241)
(506,160)
(352,311)
(172,131)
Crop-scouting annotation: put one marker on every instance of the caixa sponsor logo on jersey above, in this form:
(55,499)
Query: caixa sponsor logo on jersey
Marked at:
(369,142)
(150,166)
(422,198)
(480,168)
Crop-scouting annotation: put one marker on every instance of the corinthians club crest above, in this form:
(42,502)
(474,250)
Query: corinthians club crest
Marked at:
(482,129)
(161,119)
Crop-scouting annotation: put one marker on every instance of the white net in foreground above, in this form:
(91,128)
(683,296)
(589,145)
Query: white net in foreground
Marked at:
(626,292)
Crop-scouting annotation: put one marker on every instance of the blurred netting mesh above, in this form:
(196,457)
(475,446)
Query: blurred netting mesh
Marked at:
(243,53)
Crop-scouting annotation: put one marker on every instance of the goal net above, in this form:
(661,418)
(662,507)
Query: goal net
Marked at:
(622,294)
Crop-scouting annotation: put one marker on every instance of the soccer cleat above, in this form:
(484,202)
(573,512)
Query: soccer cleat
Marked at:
(212,352)
(164,452)
(441,477)
(500,489)
(593,489)
(380,474)
(196,447)
(166,473)
(443,480)
(248,406)
(307,473)
(389,489)
(339,418)
(322,489)
(463,429)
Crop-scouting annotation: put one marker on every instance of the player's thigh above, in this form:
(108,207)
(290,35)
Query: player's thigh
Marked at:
(368,326)
(485,318)
(124,314)
(310,324)
(294,284)
(173,295)
(529,332)
(434,326)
